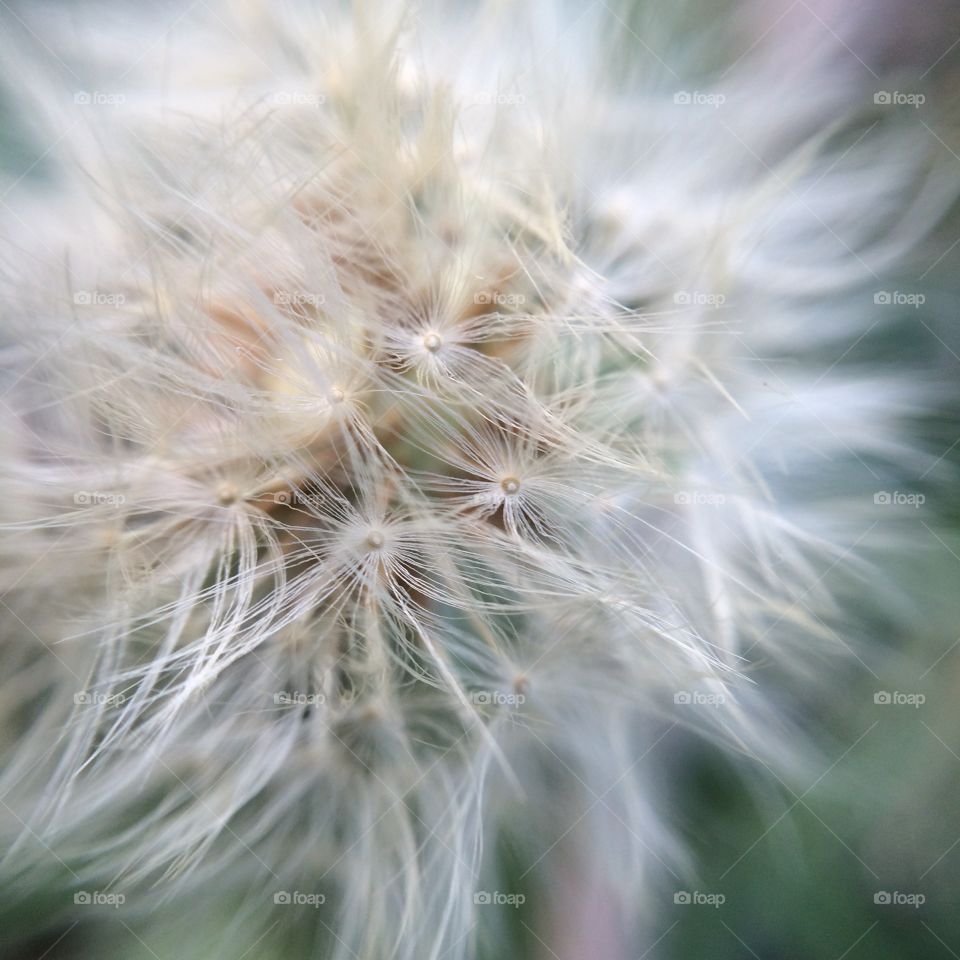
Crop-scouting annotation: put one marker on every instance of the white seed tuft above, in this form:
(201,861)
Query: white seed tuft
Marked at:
(581,329)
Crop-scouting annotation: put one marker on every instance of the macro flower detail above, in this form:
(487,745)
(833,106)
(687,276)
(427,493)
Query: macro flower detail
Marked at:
(449,410)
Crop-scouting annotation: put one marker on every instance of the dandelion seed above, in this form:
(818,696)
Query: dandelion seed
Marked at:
(510,485)
(227,494)
(401,400)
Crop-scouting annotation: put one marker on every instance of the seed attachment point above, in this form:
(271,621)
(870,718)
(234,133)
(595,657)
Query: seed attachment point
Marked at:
(510,486)
(227,494)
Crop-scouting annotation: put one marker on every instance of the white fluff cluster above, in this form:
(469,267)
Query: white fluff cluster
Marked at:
(406,412)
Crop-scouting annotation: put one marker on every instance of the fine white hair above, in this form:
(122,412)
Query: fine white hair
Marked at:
(410,414)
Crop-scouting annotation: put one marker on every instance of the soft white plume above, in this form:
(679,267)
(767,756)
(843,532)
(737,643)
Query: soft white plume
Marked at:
(405,410)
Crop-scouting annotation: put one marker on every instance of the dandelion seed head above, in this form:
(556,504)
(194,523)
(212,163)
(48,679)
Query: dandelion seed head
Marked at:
(455,360)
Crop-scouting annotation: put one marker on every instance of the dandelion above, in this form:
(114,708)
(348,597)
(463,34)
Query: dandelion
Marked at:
(439,438)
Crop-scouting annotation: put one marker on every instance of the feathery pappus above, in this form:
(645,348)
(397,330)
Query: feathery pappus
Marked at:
(410,412)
